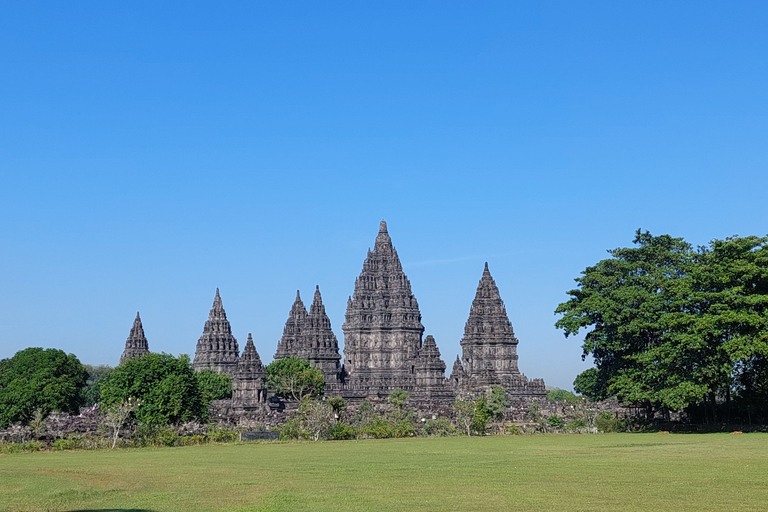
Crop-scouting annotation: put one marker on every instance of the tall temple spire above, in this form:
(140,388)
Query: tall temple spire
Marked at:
(310,337)
(136,344)
(489,345)
(217,348)
(249,385)
(290,342)
(383,330)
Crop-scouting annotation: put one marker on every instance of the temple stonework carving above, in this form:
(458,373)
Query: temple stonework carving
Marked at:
(249,382)
(383,347)
(217,349)
(383,330)
(136,344)
(309,336)
(489,347)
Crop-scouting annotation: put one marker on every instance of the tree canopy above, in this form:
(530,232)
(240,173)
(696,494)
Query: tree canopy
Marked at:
(44,379)
(293,378)
(671,327)
(165,386)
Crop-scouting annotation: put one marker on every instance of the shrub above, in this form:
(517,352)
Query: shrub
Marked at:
(340,430)
(576,425)
(512,430)
(44,379)
(29,446)
(607,422)
(555,421)
(222,435)
(561,395)
(439,427)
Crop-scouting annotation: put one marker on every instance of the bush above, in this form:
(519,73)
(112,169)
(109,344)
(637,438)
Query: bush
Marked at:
(576,425)
(44,379)
(222,435)
(439,427)
(607,422)
(555,421)
(291,430)
(340,431)
(165,386)
(29,446)
(382,428)
(561,395)
(512,430)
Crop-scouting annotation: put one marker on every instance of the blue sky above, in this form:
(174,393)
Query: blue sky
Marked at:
(150,153)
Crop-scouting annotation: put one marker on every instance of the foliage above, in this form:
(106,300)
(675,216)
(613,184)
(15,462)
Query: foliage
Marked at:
(481,415)
(339,406)
(293,378)
(213,386)
(37,423)
(115,416)
(555,421)
(576,425)
(562,396)
(384,428)
(165,386)
(589,384)
(340,431)
(534,412)
(463,411)
(398,397)
(36,378)
(439,427)
(97,375)
(498,402)
(607,422)
(26,447)
(671,327)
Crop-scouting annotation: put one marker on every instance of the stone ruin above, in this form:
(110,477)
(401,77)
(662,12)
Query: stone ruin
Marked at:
(384,347)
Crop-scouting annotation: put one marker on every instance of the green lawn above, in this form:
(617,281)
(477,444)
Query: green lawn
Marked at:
(547,472)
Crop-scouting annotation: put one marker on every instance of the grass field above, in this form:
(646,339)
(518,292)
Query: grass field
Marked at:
(547,472)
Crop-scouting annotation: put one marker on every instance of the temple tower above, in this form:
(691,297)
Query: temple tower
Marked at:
(489,346)
(383,330)
(217,349)
(291,343)
(430,373)
(321,345)
(249,383)
(136,344)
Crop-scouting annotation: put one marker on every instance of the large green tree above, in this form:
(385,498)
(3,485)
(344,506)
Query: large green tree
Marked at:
(165,387)
(36,378)
(293,378)
(670,326)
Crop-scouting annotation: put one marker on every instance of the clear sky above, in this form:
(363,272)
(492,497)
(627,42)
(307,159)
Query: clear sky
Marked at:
(153,151)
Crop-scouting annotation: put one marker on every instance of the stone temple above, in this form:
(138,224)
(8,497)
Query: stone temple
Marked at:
(136,344)
(384,343)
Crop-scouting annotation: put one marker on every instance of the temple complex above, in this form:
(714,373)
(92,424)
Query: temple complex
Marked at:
(217,349)
(383,345)
(136,344)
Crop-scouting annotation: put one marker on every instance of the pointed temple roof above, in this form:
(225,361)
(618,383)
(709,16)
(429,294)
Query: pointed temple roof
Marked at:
(319,333)
(217,348)
(136,344)
(249,364)
(488,322)
(381,307)
(293,330)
